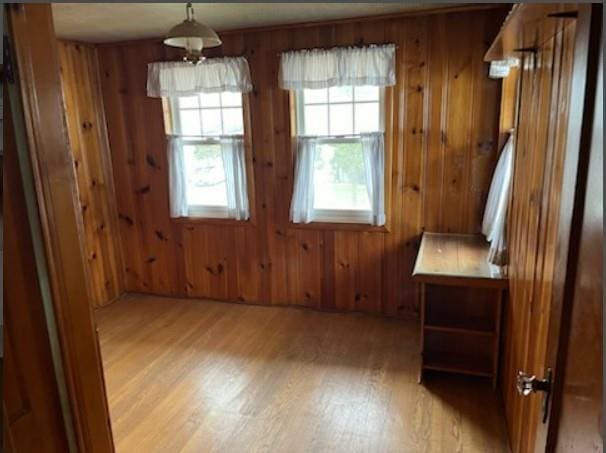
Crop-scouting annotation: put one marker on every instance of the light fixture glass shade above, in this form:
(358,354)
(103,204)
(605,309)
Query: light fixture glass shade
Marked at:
(193,35)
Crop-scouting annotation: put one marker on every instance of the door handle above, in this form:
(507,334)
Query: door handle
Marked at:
(528,384)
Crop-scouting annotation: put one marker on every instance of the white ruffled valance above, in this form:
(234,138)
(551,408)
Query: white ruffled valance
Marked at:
(213,75)
(374,65)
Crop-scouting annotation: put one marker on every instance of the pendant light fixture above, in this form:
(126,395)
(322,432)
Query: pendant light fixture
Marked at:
(192,36)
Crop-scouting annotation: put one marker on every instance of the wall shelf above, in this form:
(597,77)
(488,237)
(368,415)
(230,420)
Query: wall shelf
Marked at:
(541,17)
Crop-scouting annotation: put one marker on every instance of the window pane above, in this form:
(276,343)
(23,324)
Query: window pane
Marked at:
(188,102)
(210,100)
(232,121)
(367,93)
(341,119)
(211,122)
(316,120)
(340,94)
(315,96)
(205,175)
(367,117)
(231,99)
(340,178)
(190,122)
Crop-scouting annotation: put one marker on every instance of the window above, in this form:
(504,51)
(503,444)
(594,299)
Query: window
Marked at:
(211,128)
(338,116)
(208,115)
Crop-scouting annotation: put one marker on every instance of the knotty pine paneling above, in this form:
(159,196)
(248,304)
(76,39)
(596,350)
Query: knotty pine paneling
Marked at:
(442,132)
(88,140)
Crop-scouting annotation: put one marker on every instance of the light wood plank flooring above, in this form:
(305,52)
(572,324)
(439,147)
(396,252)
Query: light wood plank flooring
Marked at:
(198,376)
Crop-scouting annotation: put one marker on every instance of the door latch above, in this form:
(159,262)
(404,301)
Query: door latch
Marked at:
(527,384)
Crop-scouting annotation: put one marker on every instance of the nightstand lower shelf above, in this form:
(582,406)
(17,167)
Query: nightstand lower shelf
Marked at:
(457,364)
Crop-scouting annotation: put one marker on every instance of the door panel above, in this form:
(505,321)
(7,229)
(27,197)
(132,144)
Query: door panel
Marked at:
(559,61)
(33,421)
(36,59)
(537,188)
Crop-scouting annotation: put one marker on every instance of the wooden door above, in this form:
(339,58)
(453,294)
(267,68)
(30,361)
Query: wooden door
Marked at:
(36,67)
(32,415)
(553,73)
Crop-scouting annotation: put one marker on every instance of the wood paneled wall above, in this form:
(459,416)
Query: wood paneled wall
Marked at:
(442,131)
(89,145)
(533,222)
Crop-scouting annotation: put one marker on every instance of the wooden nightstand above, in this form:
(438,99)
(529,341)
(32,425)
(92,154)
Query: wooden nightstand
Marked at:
(461,305)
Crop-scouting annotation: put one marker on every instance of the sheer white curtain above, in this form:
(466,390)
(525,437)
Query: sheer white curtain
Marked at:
(213,75)
(373,149)
(302,204)
(341,66)
(176,177)
(234,162)
(495,214)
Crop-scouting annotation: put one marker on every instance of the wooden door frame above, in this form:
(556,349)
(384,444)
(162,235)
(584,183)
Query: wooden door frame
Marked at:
(579,133)
(36,67)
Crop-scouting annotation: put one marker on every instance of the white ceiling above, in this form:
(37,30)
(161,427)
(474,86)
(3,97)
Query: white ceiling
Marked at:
(107,22)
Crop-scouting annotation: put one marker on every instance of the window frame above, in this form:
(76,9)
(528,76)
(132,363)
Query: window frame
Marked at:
(176,120)
(209,214)
(300,112)
(342,218)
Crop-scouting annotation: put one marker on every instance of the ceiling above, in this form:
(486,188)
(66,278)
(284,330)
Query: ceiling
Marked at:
(107,22)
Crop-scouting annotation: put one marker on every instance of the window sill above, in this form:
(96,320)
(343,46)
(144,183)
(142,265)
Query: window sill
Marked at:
(213,221)
(340,226)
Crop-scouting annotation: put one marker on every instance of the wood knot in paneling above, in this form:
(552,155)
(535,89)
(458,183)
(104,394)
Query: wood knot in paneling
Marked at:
(160,235)
(485,147)
(126,219)
(151,161)
(443,138)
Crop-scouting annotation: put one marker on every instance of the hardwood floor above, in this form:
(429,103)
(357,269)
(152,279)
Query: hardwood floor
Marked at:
(197,376)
